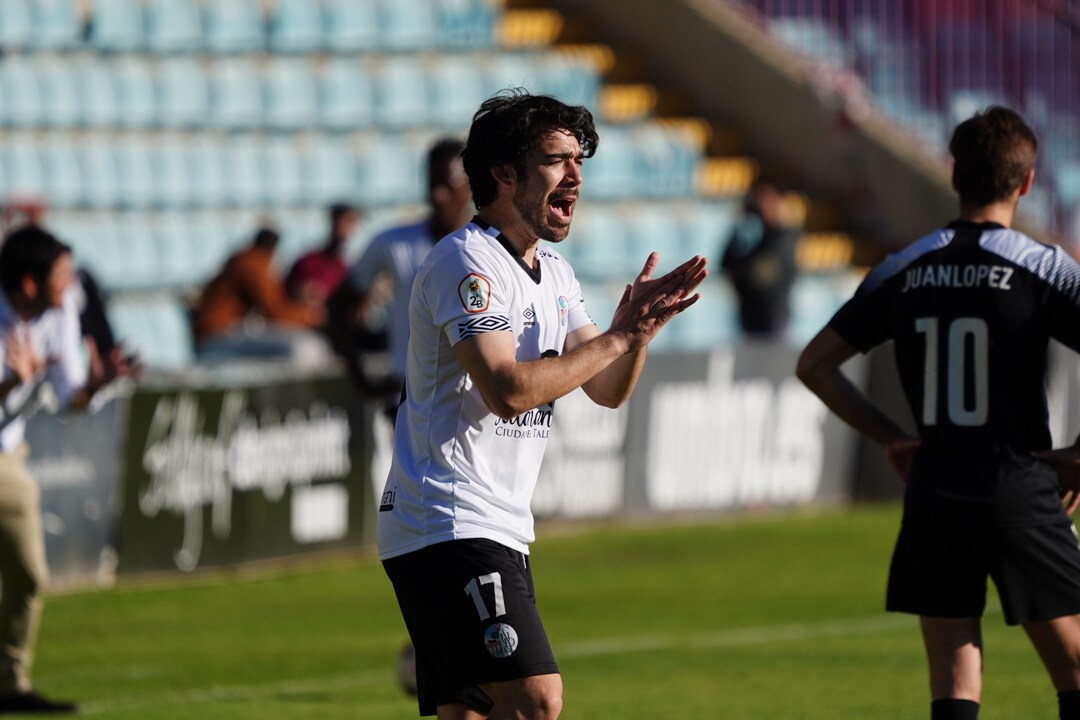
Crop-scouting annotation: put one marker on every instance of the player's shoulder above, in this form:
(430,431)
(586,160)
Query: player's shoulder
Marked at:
(897,262)
(1049,263)
(469,246)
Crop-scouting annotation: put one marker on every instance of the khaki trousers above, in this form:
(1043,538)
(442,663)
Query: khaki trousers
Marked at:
(23,572)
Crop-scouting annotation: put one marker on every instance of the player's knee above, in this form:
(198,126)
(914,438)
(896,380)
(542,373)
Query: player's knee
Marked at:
(545,704)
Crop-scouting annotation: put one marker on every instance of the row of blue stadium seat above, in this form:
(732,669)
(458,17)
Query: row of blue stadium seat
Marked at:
(157,324)
(204,170)
(283,93)
(141,250)
(238,26)
(139,170)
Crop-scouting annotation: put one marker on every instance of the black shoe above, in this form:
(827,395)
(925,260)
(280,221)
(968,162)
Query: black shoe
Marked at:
(31,702)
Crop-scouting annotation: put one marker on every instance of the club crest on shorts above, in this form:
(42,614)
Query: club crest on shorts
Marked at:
(475,293)
(501,640)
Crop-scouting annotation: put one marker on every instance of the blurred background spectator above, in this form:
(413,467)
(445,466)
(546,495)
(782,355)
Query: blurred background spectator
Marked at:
(759,260)
(316,274)
(394,256)
(244,311)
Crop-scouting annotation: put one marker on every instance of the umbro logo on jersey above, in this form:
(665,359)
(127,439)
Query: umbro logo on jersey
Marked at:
(530,317)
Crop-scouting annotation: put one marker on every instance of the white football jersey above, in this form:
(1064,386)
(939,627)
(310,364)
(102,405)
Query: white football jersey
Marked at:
(459,471)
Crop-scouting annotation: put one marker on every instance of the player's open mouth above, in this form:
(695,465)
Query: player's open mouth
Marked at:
(563,208)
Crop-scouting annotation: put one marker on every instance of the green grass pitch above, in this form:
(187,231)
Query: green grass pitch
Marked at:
(771,617)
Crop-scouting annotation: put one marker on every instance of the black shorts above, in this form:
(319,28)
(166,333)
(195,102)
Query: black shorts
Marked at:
(471,612)
(946,551)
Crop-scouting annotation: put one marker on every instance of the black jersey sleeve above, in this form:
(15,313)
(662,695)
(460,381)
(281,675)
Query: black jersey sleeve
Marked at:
(863,320)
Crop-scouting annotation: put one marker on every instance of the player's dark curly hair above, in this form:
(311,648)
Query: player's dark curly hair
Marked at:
(29,250)
(509,125)
(992,154)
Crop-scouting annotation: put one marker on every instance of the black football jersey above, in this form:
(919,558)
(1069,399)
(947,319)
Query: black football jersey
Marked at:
(970,308)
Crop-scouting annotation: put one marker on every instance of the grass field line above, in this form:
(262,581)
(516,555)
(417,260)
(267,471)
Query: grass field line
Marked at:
(757,635)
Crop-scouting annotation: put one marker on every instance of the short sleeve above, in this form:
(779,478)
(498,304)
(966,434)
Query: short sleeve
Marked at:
(467,296)
(577,316)
(863,321)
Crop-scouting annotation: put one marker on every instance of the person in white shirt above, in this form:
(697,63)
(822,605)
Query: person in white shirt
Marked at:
(498,332)
(397,253)
(42,365)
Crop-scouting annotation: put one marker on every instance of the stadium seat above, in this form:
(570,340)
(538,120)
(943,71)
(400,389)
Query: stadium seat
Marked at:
(20,162)
(16,24)
(511,69)
(157,326)
(407,25)
(98,162)
(134,81)
(20,91)
(612,171)
(206,169)
(117,25)
(59,98)
(56,25)
(351,25)
(457,89)
(208,239)
(296,26)
(243,171)
(174,26)
(282,172)
(330,171)
(390,169)
(94,240)
(599,238)
(175,251)
(233,26)
(705,227)
(466,23)
(183,98)
(172,184)
(570,78)
(97,95)
(135,156)
(63,176)
(401,94)
(345,95)
(291,93)
(666,162)
(237,101)
(137,257)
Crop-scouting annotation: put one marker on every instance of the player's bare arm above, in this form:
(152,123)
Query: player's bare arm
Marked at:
(510,387)
(819,369)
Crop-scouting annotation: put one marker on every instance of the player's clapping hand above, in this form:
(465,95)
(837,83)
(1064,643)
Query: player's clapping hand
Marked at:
(19,354)
(649,303)
(1067,463)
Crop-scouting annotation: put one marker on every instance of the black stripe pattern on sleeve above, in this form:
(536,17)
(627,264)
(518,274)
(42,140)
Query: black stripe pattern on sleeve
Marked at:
(483,324)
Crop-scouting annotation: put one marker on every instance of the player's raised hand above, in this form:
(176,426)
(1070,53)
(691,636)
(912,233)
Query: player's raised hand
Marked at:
(649,303)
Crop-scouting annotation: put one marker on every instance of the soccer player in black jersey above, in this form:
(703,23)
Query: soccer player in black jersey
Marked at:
(970,309)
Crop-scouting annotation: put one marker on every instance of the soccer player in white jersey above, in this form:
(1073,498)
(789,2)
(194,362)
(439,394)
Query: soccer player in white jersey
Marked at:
(498,332)
(970,308)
